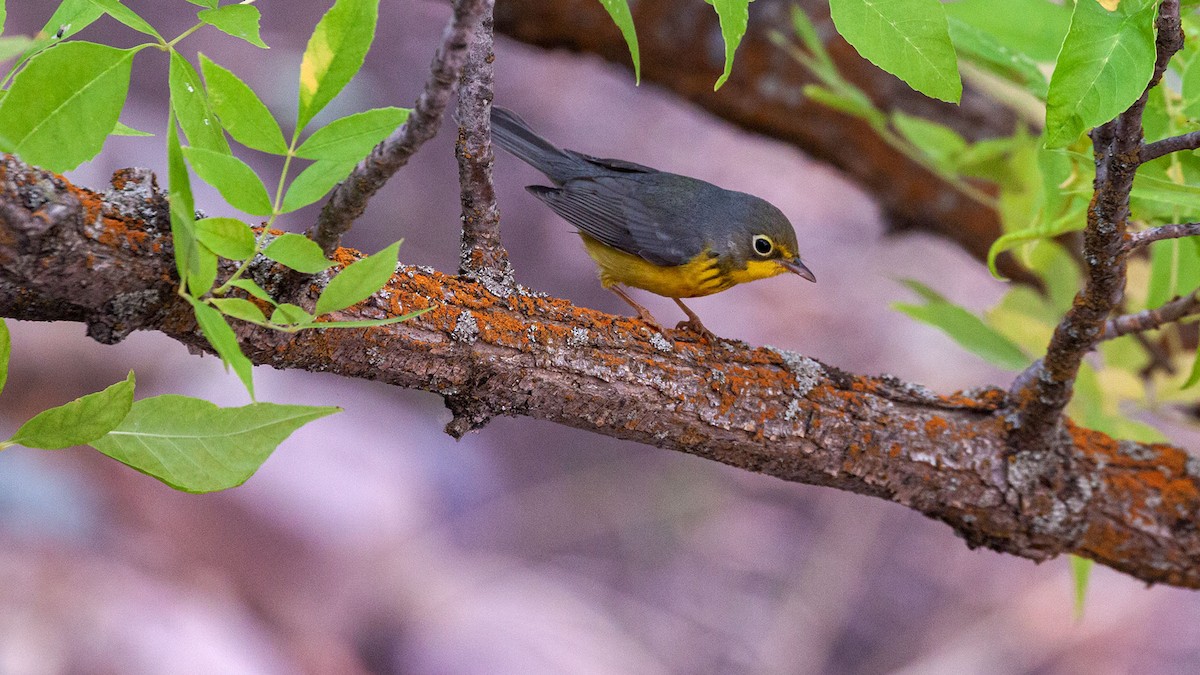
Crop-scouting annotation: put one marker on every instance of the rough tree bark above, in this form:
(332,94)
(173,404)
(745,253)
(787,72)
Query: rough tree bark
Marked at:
(67,254)
(763,95)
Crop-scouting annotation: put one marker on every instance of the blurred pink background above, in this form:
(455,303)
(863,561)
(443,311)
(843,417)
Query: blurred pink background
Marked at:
(372,542)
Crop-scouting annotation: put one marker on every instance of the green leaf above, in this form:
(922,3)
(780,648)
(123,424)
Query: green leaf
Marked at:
(183,212)
(1105,63)
(240,21)
(619,11)
(852,102)
(1191,87)
(1035,28)
(233,178)
(297,252)
(127,16)
(1081,573)
(734,16)
(224,341)
(968,330)
(3,16)
(253,289)
(194,446)
(352,137)
(240,308)
(941,144)
(5,352)
(71,17)
(287,314)
(1174,269)
(204,275)
(81,421)
(358,281)
(190,104)
(1194,376)
(14,46)
(997,57)
(62,106)
(241,111)
(334,54)
(211,4)
(124,130)
(907,38)
(227,237)
(314,182)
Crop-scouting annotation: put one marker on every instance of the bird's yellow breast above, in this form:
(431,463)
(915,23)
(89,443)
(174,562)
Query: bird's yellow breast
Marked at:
(701,276)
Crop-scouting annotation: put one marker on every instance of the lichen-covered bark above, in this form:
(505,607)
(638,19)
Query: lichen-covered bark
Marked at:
(70,254)
(682,50)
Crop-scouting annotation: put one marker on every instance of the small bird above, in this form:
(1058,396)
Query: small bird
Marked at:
(672,235)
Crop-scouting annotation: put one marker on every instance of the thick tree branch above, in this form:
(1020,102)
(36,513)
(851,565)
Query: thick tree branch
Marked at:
(1136,240)
(78,256)
(1042,392)
(1150,319)
(483,256)
(350,197)
(764,95)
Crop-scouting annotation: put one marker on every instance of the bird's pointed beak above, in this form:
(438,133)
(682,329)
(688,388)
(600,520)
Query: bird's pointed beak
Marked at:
(796,267)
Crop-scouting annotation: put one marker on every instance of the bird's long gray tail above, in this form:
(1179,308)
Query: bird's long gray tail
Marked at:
(511,132)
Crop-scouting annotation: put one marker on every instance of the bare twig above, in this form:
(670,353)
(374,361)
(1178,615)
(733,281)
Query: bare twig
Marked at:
(483,256)
(1040,394)
(349,199)
(1150,319)
(1152,151)
(1136,240)
(1128,504)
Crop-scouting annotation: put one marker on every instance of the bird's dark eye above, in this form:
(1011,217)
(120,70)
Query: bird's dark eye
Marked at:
(763,245)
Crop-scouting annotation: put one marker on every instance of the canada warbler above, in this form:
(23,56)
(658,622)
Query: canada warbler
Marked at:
(672,235)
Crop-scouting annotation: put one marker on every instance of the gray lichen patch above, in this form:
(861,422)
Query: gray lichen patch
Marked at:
(661,343)
(808,372)
(578,337)
(465,329)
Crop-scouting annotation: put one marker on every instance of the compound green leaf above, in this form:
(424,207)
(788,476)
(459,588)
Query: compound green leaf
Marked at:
(1105,63)
(233,178)
(190,104)
(907,38)
(81,421)
(227,237)
(1035,28)
(734,16)
(222,338)
(358,281)
(352,137)
(619,11)
(194,446)
(240,308)
(240,21)
(968,330)
(5,352)
(297,252)
(62,106)
(334,53)
(240,110)
(127,16)
(314,182)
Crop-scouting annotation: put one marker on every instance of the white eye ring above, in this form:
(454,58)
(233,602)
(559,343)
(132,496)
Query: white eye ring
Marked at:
(763,245)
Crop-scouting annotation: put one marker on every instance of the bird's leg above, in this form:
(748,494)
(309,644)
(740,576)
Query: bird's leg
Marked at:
(643,313)
(693,323)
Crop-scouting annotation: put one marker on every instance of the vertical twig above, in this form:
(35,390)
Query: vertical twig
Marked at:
(483,256)
(349,199)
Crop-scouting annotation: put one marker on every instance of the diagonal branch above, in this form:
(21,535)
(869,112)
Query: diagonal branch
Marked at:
(1041,393)
(1136,240)
(1150,319)
(350,197)
(483,256)
(1128,505)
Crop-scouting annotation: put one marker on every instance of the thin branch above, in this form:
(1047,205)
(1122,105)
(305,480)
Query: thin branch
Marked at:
(1141,238)
(350,197)
(1152,151)
(1127,504)
(483,256)
(1150,319)
(1040,394)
